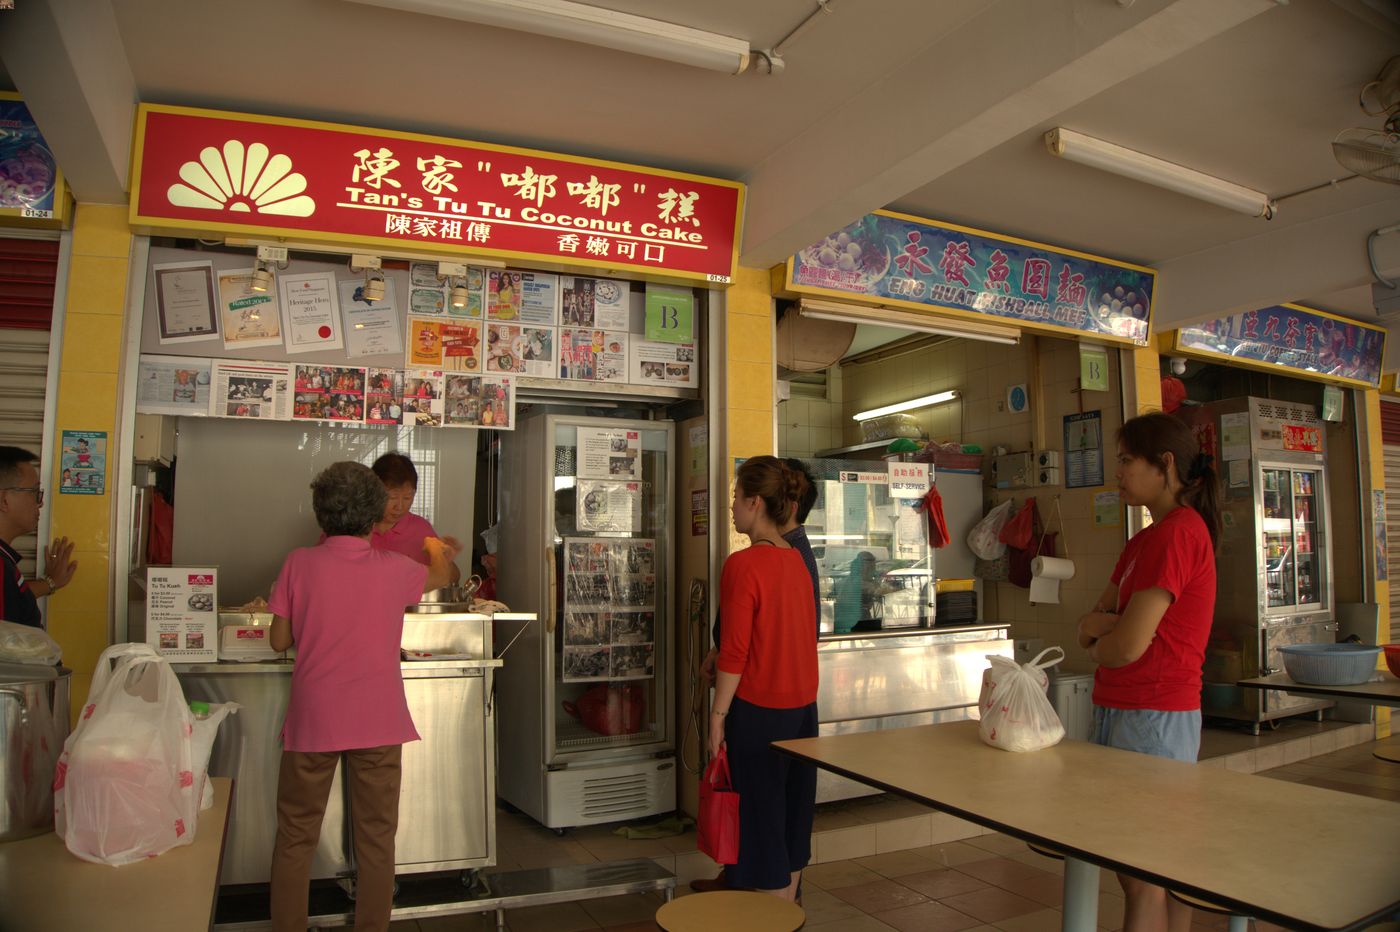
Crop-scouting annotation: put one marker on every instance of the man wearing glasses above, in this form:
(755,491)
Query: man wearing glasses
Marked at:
(20,501)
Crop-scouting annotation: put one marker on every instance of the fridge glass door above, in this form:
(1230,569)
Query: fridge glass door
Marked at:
(1279,557)
(875,567)
(610,521)
(1307,535)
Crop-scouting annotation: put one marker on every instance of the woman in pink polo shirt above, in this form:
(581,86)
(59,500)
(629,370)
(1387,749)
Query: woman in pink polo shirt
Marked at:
(341,602)
(399,529)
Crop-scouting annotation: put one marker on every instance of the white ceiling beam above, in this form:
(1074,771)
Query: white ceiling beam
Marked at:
(1282,264)
(1009,69)
(67,60)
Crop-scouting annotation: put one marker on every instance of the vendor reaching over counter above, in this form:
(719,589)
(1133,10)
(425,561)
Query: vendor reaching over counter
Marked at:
(341,602)
(399,529)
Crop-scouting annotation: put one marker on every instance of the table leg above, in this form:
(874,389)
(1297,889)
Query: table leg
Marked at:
(1081,906)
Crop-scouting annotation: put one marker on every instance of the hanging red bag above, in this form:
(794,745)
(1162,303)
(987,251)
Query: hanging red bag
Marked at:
(717,829)
(611,710)
(932,504)
(1018,531)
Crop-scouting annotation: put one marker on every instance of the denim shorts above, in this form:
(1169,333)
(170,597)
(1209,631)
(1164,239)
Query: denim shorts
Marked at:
(1176,735)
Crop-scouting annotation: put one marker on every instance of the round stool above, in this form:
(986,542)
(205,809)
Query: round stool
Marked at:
(1238,923)
(1388,751)
(731,910)
(1045,851)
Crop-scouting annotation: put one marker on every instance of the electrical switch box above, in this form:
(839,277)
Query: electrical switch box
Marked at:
(1013,471)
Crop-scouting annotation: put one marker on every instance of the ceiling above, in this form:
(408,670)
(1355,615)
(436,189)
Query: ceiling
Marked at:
(935,109)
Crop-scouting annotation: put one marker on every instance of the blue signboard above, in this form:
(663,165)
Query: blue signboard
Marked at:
(901,260)
(1308,341)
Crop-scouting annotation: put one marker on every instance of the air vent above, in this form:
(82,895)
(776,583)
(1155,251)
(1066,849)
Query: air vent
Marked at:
(1292,414)
(616,795)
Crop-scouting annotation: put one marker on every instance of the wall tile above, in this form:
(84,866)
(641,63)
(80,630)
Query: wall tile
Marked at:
(750,386)
(101,230)
(87,400)
(750,338)
(92,342)
(97,285)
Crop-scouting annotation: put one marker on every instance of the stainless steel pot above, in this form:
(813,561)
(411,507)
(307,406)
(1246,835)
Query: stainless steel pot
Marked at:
(33,727)
(459,593)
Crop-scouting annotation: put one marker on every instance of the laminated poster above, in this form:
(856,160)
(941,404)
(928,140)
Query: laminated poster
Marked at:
(371,327)
(255,390)
(427,295)
(670,364)
(173,385)
(182,618)
(424,343)
(185,302)
(479,401)
(422,397)
(503,295)
(609,507)
(310,312)
(593,355)
(329,393)
(670,314)
(461,345)
(84,460)
(539,298)
(383,394)
(249,318)
(594,302)
(609,609)
(609,453)
(521,350)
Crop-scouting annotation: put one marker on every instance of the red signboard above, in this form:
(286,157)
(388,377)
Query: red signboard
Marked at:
(1307,439)
(199,170)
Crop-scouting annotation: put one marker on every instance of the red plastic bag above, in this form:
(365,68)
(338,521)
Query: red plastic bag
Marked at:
(1018,531)
(932,505)
(717,829)
(611,710)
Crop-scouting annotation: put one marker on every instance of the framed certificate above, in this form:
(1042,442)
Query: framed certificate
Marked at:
(186,302)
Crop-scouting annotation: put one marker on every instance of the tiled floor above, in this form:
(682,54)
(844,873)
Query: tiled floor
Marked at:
(986,882)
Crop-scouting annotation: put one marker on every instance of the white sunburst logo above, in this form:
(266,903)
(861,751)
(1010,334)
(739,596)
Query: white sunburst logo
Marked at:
(242,179)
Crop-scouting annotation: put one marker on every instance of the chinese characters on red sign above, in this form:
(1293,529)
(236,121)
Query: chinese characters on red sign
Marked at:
(217,171)
(1307,439)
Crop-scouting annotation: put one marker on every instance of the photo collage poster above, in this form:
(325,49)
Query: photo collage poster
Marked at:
(609,609)
(329,393)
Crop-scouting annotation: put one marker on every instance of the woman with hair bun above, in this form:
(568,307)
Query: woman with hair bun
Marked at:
(766,681)
(1148,630)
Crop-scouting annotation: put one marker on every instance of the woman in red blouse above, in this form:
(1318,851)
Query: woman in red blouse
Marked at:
(766,682)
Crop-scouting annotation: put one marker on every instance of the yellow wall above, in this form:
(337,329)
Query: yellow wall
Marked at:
(93,323)
(1370,415)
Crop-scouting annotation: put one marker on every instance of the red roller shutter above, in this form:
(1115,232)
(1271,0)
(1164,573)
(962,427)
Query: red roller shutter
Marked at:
(27,271)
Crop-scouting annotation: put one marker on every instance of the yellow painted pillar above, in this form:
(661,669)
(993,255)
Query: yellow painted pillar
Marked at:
(1370,415)
(93,323)
(1147,378)
(749,415)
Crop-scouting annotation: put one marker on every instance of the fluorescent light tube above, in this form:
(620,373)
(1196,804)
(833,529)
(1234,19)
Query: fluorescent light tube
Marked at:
(909,320)
(580,22)
(1086,150)
(935,399)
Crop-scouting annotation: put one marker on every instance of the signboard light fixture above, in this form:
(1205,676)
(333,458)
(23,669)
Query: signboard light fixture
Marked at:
(374,277)
(908,320)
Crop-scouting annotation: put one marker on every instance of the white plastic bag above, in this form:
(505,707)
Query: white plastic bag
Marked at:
(1016,713)
(125,786)
(984,538)
(206,729)
(24,644)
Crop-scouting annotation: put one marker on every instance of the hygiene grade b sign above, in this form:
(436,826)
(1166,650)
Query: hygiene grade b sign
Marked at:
(214,172)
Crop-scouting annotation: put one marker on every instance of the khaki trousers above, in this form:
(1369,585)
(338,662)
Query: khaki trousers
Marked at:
(303,786)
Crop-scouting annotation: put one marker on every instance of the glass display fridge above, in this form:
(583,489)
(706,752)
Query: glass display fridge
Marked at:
(585,703)
(1274,561)
(887,657)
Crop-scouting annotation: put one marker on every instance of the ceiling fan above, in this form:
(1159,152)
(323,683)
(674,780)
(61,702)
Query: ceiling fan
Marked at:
(1375,153)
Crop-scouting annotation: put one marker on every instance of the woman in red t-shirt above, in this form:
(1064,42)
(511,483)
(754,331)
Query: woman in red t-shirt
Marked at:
(766,682)
(1148,630)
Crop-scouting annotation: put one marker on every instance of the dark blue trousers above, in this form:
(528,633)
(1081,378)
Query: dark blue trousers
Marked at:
(777,794)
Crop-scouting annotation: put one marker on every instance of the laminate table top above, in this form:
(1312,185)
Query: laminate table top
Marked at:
(45,888)
(1383,691)
(1300,856)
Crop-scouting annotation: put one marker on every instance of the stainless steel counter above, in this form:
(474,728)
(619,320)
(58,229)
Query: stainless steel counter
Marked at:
(447,814)
(893,679)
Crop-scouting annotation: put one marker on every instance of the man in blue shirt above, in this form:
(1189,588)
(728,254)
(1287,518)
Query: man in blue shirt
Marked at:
(20,501)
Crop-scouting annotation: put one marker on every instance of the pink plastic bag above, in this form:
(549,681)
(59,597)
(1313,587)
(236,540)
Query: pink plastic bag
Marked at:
(125,787)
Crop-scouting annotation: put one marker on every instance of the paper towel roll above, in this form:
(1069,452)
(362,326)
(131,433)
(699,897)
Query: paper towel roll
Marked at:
(1046,575)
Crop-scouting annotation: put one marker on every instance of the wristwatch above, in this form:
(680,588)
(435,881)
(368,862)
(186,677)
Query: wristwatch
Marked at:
(53,586)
